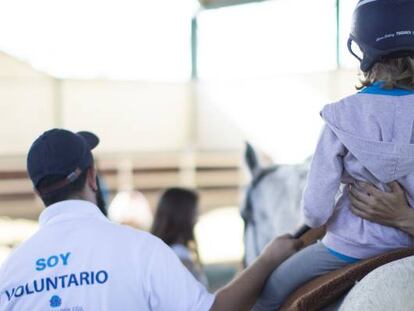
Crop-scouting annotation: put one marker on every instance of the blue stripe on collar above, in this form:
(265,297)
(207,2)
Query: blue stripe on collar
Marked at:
(376,89)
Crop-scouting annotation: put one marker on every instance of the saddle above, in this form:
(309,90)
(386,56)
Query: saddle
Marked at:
(326,289)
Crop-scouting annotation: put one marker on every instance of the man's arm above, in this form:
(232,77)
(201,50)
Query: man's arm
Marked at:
(242,292)
(386,208)
(170,286)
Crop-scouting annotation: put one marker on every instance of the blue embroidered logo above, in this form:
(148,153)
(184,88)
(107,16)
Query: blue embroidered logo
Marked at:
(55,301)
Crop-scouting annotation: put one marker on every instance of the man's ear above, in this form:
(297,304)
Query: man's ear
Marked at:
(91,178)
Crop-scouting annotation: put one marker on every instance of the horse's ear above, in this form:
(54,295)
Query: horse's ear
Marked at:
(251,159)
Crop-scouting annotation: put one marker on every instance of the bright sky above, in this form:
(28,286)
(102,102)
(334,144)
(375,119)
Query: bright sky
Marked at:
(267,39)
(121,39)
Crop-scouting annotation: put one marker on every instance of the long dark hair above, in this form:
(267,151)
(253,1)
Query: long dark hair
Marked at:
(175,216)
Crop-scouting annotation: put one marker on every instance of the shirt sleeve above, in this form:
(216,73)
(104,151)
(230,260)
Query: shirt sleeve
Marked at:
(324,179)
(172,287)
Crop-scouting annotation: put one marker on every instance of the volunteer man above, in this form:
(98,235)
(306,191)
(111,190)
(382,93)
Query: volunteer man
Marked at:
(79,261)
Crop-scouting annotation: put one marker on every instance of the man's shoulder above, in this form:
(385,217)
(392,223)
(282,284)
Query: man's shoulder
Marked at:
(127,238)
(127,232)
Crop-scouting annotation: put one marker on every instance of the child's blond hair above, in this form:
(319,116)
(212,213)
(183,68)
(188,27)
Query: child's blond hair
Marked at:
(394,72)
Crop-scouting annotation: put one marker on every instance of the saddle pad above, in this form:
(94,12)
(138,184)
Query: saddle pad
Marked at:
(326,289)
(312,235)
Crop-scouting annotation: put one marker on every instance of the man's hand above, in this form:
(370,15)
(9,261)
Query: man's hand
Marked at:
(242,292)
(280,249)
(387,208)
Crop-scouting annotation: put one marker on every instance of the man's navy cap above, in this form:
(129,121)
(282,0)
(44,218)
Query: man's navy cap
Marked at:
(60,152)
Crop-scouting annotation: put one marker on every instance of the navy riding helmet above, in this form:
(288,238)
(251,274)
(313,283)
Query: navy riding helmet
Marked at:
(382,29)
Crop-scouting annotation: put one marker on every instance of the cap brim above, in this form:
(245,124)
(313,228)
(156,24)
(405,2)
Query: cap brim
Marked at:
(91,139)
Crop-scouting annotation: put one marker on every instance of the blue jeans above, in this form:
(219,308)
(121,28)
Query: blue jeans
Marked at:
(305,265)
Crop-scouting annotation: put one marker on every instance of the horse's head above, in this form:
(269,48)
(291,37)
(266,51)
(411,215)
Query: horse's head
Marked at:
(272,201)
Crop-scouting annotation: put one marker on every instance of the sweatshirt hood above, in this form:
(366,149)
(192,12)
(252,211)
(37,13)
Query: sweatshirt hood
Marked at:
(386,160)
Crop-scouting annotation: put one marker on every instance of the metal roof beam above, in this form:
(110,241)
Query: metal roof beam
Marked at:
(216,4)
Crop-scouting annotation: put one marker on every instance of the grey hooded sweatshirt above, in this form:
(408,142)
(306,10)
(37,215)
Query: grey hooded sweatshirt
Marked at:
(367,137)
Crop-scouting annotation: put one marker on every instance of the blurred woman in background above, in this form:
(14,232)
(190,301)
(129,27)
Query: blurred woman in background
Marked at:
(174,223)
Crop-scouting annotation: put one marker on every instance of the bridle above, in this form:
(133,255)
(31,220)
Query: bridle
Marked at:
(247,213)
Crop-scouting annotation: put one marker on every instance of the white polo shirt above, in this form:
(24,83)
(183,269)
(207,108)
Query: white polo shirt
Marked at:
(80,261)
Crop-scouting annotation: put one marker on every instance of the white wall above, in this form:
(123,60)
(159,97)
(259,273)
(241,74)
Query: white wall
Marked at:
(26,105)
(216,129)
(144,116)
(129,116)
(279,115)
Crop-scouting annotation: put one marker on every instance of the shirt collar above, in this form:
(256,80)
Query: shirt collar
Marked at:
(69,210)
(377,89)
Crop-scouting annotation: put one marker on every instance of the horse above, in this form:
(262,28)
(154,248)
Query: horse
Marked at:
(379,289)
(271,206)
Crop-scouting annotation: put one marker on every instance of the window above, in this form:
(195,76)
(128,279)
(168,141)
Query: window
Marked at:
(268,38)
(122,39)
(346,9)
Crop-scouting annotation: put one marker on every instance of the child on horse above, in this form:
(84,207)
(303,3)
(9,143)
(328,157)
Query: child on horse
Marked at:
(368,137)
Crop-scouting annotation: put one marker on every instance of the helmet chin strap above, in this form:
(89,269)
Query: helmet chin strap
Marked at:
(366,63)
(349,44)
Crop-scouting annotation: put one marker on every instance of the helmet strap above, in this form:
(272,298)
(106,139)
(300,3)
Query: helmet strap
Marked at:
(351,51)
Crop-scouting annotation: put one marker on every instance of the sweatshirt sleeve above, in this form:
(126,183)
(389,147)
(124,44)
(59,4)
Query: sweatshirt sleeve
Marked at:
(324,179)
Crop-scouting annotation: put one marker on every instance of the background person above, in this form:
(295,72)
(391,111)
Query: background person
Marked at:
(174,222)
